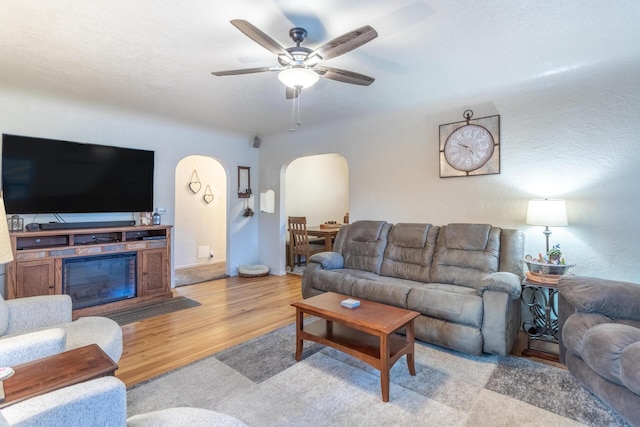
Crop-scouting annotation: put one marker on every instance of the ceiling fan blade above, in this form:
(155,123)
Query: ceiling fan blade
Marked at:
(344,76)
(258,36)
(345,43)
(245,71)
(291,93)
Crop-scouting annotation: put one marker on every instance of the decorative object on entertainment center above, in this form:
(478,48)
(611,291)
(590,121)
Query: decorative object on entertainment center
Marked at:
(470,147)
(208,195)
(146,218)
(15,223)
(194,182)
(244,182)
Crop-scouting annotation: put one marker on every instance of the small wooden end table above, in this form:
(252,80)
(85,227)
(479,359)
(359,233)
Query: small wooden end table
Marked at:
(57,371)
(366,332)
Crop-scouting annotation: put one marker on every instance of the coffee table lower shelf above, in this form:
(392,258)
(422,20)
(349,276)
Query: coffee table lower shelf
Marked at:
(361,345)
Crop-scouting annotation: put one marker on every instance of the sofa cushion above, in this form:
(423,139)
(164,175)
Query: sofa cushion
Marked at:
(338,281)
(468,237)
(465,253)
(409,251)
(363,245)
(385,290)
(603,349)
(457,304)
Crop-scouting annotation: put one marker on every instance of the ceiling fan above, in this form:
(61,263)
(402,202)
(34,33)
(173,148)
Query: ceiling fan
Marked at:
(299,66)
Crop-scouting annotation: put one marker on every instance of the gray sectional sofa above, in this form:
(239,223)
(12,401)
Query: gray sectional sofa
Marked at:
(464,279)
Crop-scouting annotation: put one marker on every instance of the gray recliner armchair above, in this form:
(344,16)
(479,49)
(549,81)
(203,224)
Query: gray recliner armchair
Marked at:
(599,324)
(35,327)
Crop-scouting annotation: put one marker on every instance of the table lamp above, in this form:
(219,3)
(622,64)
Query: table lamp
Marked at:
(547,213)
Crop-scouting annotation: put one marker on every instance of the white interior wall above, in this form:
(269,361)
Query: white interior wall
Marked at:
(37,115)
(198,223)
(317,187)
(571,135)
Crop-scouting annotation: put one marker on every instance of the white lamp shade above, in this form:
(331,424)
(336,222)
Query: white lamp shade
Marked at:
(298,77)
(6,253)
(547,212)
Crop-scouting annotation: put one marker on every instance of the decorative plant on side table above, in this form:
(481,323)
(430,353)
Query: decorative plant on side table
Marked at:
(552,263)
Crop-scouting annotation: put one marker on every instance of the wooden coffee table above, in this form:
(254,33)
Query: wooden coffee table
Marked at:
(366,332)
(54,372)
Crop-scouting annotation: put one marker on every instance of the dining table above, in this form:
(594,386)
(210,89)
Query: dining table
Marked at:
(328,233)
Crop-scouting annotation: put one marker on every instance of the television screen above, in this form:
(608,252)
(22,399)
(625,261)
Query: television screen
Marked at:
(50,176)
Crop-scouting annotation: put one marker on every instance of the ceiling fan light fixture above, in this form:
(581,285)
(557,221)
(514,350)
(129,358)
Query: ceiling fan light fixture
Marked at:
(298,77)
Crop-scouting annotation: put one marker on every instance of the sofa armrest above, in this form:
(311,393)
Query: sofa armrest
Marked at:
(501,281)
(99,402)
(23,348)
(617,300)
(328,260)
(30,313)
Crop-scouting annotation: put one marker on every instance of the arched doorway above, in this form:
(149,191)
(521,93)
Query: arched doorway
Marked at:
(317,187)
(201,214)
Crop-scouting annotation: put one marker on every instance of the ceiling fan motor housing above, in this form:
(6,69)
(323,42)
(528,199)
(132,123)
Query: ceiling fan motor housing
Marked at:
(298,34)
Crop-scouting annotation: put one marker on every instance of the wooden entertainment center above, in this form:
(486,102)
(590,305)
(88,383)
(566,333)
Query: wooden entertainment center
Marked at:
(37,268)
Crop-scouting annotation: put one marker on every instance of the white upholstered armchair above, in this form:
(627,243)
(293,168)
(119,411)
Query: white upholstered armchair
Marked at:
(35,327)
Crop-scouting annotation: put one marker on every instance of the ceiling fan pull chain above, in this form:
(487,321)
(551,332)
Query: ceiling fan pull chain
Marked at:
(298,89)
(295,109)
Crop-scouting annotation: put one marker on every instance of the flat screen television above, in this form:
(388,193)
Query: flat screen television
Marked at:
(42,175)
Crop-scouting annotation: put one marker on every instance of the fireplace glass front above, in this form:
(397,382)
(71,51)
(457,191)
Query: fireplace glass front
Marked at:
(96,280)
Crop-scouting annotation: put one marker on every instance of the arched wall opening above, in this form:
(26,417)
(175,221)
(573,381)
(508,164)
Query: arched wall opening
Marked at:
(316,187)
(200,229)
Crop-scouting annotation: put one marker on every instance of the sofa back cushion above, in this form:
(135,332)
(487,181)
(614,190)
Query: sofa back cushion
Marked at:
(465,253)
(362,244)
(409,252)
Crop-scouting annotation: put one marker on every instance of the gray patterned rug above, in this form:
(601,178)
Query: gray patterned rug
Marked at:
(260,383)
(135,314)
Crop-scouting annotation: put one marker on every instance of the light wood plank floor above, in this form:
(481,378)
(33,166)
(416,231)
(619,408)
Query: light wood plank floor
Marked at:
(233,310)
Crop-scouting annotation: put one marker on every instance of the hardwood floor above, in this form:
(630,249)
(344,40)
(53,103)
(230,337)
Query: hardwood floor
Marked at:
(233,310)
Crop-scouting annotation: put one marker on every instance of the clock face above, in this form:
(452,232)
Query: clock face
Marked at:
(468,148)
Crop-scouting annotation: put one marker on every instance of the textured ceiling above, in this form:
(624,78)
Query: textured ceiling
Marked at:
(156,57)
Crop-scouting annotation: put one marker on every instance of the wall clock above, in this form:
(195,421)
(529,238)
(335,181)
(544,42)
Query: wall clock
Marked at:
(470,147)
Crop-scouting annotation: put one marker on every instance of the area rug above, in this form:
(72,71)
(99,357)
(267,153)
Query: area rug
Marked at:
(152,309)
(199,274)
(260,383)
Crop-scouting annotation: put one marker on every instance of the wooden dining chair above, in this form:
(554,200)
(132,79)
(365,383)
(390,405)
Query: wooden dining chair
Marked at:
(299,241)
